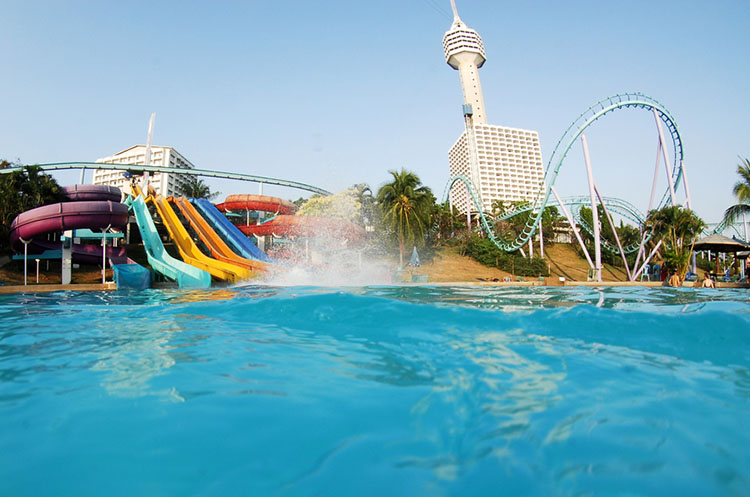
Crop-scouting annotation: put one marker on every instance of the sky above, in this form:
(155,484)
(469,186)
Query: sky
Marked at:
(340,92)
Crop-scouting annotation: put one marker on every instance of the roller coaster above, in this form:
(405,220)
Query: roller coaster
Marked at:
(545,197)
(675,174)
(566,142)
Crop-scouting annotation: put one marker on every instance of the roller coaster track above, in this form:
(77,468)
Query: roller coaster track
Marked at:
(723,226)
(566,142)
(162,169)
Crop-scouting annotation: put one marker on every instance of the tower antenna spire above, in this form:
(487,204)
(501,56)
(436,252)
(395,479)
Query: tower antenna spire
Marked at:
(455,11)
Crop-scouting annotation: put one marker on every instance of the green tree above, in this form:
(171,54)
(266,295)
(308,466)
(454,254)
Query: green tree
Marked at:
(677,227)
(445,223)
(741,190)
(342,205)
(20,191)
(194,187)
(406,205)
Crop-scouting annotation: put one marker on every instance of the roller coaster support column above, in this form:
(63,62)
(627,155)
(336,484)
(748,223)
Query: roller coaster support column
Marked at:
(641,252)
(664,154)
(687,188)
(640,269)
(541,237)
(594,211)
(572,223)
(614,231)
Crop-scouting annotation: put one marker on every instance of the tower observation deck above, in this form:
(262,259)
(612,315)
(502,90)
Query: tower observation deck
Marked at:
(464,52)
(502,163)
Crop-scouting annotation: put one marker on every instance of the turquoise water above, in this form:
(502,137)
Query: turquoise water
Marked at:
(418,391)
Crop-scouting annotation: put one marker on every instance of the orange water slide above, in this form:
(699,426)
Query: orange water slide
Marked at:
(219,249)
(189,250)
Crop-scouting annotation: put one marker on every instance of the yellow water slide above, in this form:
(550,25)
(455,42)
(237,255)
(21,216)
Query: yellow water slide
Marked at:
(189,250)
(219,249)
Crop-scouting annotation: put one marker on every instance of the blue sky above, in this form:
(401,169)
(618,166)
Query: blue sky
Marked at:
(336,93)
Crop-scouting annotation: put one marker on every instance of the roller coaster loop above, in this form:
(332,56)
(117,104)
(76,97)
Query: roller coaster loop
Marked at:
(566,142)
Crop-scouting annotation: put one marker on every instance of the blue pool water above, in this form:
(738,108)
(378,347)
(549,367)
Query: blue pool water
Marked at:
(417,391)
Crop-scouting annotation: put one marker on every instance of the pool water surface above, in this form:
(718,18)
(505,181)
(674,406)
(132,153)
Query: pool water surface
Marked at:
(419,391)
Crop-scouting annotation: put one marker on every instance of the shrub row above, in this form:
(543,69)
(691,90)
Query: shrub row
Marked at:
(484,251)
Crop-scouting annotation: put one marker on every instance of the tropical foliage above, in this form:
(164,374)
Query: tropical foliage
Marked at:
(677,228)
(20,191)
(627,234)
(508,229)
(343,205)
(194,187)
(484,251)
(741,190)
(406,206)
(445,224)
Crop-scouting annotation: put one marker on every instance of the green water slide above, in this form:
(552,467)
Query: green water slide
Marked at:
(185,275)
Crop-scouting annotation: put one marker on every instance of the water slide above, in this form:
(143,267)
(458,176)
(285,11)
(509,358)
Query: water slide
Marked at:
(230,232)
(185,275)
(92,192)
(285,223)
(63,216)
(257,203)
(307,226)
(189,250)
(219,249)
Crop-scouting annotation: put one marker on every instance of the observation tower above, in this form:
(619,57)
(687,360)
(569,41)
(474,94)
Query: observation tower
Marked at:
(502,163)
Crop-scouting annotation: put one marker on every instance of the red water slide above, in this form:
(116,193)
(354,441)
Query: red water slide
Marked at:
(286,225)
(257,203)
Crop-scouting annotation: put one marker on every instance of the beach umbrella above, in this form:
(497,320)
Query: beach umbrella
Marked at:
(415,262)
(720,243)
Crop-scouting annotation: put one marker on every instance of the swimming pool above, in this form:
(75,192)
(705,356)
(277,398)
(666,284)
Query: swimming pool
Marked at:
(376,391)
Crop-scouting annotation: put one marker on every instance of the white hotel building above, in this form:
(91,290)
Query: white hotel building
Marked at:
(165,184)
(502,163)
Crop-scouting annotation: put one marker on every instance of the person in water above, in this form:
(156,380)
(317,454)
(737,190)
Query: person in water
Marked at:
(708,282)
(674,280)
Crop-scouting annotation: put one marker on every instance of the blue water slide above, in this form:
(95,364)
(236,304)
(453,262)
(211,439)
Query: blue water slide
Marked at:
(242,245)
(185,275)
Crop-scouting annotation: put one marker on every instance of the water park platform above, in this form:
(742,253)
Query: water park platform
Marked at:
(79,287)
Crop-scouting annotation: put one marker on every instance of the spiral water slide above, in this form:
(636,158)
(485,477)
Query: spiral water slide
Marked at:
(566,142)
(219,249)
(94,207)
(184,274)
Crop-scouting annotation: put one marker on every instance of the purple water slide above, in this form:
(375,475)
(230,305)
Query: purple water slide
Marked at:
(56,218)
(92,192)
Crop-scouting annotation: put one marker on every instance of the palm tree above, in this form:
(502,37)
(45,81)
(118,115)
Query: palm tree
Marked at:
(23,190)
(406,206)
(741,190)
(194,187)
(363,194)
(677,228)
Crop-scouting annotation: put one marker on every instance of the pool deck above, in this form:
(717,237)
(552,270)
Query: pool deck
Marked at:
(110,285)
(34,288)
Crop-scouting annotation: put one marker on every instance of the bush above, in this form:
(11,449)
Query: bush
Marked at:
(484,251)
